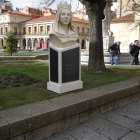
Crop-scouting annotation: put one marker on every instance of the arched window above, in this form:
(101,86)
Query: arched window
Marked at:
(35,41)
(2,42)
(42,41)
(48,40)
(83,44)
(24,42)
(30,43)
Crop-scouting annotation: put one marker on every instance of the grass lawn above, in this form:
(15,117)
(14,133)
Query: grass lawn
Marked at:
(25,54)
(16,96)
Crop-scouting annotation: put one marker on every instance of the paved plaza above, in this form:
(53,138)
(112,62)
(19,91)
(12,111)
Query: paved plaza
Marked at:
(119,124)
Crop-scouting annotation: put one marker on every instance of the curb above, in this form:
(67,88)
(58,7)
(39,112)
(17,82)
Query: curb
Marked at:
(42,119)
(15,58)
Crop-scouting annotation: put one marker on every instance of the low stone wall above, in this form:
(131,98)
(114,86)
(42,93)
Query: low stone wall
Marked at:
(40,120)
(22,58)
(123,59)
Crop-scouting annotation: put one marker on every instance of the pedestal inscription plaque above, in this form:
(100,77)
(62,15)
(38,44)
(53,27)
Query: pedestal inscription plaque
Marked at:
(53,65)
(70,65)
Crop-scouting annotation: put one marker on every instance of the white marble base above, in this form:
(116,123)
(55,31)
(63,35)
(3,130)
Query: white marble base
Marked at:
(61,86)
(64,87)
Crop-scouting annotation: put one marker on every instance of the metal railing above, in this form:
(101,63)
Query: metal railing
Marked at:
(83,34)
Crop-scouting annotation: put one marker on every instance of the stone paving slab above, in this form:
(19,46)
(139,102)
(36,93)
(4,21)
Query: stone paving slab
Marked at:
(131,136)
(109,126)
(63,136)
(121,120)
(84,133)
(128,112)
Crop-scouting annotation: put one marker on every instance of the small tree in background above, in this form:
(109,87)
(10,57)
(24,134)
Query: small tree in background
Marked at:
(11,41)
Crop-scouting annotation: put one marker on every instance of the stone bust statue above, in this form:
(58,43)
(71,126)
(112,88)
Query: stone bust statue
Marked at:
(63,34)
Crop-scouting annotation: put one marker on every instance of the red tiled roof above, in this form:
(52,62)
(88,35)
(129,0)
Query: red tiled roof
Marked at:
(31,8)
(20,13)
(80,20)
(125,18)
(52,17)
(16,12)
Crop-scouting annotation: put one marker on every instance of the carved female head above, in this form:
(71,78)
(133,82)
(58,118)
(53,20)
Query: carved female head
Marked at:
(65,16)
(63,30)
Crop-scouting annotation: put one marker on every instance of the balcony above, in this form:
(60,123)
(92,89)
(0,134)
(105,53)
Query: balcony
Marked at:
(42,33)
(83,34)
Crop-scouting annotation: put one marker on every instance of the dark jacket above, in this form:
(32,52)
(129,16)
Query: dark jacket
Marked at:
(115,49)
(135,50)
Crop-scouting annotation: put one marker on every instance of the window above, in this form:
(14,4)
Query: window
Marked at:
(78,29)
(24,31)
(83,29)
(35,30)
(1,31)
(15,30)
(48,29)
(88,30)
(29,29)
(27,10)
(46,12)
(41,28)
(6,29)
(43,11)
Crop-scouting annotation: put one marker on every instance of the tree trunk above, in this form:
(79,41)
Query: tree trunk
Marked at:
(11,54)
(96,57)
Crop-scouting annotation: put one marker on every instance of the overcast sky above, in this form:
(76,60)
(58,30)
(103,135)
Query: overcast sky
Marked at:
(35,3)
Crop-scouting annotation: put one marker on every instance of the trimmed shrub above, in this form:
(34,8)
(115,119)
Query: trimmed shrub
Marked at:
(4,47)
(38,48)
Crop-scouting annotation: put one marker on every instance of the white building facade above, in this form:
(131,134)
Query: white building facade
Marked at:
(30,31)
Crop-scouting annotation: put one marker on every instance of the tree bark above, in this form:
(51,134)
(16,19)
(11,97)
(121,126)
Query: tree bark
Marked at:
(95,14)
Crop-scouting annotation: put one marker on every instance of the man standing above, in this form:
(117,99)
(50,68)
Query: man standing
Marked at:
(135,53)
(114,50)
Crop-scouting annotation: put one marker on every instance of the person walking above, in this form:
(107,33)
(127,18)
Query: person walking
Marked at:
(114,50)
(135,53)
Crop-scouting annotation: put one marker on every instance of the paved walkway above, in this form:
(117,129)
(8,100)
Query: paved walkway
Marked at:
(119,124)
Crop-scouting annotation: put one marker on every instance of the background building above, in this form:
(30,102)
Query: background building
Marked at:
(32,27)
(126,28)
